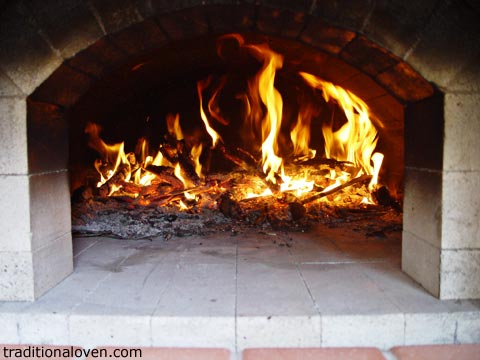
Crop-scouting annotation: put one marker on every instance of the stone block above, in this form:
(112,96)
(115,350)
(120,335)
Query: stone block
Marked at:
(52,263)
(468,330)
(367,56)
(326,37)
(69,27)
(49,208)
(448,43)
(279,22)
(13,132)
(467,79)
(350,14)
(54,90)
(47,138)
(423,205)
(460,274)
(405,83)
(15,219)
(421,261)
(278,331)
(140,38)
(462,132)
(9,333)
(461,210)
(424,134)
(102,327)
(383,331)
(395,24)
(43,328)
(197,331)
(25,57)
(16,276)
(429,328)
(8,87)
(116,15)
(185,24)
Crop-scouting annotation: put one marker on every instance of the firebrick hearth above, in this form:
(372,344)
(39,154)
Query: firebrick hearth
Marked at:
(152,70)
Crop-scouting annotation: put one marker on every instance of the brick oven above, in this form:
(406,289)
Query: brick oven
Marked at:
(416,66)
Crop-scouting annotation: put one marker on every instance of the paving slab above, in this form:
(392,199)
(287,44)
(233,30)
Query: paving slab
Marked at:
(257,289)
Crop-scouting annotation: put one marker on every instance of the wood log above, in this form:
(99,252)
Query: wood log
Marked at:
(166,174)
(358,180)
(180,155)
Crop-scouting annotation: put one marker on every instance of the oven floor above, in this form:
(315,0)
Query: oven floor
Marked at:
(328,287)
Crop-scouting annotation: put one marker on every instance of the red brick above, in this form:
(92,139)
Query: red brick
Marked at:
(405,83)
(313,354)
(169,353)
(326,37)
(438,352)
(368,56)
(32,348)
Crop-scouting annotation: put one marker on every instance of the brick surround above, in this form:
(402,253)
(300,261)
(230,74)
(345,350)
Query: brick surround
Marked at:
(416,66)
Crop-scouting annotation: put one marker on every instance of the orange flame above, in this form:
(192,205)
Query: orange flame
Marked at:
(356,140)
(202,85)
(300,134)
(271,98)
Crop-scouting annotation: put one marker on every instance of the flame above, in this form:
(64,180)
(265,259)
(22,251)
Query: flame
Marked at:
(213,107)
(178,174)
(202,85)
(300,134)
(112,154)
(356,140)
(173,126)
(195,155)
(271,98)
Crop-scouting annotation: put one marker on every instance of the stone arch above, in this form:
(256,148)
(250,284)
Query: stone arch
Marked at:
(57,47)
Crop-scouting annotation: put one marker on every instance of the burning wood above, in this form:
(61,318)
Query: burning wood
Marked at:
(265,187)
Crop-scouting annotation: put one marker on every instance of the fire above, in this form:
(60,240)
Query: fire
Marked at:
(177,164)
(356,140)
(271,98)
(201,85)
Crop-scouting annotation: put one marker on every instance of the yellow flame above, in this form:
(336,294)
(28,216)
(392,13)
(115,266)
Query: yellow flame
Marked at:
(178,174)
(377,160)
(264,83)
(300,134)
(201,85)
(356,140)
(195,154)
(173,126)
(112,154)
